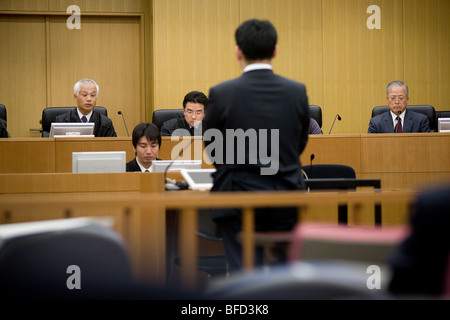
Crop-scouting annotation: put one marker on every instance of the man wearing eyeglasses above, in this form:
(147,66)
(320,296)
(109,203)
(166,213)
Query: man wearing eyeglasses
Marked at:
(194,104)
(399,119)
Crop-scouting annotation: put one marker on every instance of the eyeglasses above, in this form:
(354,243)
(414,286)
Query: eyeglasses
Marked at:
(393,98)
(197,113)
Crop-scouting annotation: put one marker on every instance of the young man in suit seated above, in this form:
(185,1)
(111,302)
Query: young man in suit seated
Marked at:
(399,119)
(194,104)
(146,143)
(85,94)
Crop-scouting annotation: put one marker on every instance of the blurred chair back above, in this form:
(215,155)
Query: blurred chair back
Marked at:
(49,115)
(162,115)
(315,241)
(36,265)
(312,280)
(3,112)
(427,110)
(316,113)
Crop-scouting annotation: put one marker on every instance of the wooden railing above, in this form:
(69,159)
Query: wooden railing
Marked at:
(144,205)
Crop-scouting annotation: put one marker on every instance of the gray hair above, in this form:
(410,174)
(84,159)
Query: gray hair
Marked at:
(76,87)
(397,84)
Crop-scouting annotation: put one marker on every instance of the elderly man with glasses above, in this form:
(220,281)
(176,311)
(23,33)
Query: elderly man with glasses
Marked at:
(398,119)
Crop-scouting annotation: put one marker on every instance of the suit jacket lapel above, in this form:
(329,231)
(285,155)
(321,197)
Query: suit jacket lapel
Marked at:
(407,124)
(387,122)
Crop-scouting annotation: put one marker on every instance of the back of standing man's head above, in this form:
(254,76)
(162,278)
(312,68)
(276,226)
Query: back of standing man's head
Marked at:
(195,97)
(257,39)
(148,130)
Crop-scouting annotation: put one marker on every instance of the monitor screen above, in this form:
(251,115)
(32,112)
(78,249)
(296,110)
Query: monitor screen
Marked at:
(176,165)
(444,125)
(71,129)
(198,179)
(99,162)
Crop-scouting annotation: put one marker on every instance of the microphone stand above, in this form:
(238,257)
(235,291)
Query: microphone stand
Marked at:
(120,112)
(339,118)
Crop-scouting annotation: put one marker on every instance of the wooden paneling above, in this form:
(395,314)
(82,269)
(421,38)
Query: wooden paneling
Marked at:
(189,45)
(42,60)
(106,49)
(405,161)
(65,146)
(300,51)
(69,183)
(358,62)
(27,155)
(24,5)
(427,51)
(338,149)
(425,153)
(193,47)
(143,227)
(23,72)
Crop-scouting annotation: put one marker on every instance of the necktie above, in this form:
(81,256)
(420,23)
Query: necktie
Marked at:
(398,127)
(84,119)
(146,170)
(192,131)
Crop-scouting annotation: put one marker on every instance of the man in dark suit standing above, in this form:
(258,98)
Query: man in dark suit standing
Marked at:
(399,119)
(256,127)
(194,104)
(146,140)
(85,94)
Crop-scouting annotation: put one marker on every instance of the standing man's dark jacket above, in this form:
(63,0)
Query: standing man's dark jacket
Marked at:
(264,103)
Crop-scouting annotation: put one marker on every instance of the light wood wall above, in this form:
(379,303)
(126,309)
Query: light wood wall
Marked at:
(41,59)
(325,44)
(189,45)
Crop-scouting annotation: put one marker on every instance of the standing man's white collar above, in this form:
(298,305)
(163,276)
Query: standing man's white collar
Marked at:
(257,66)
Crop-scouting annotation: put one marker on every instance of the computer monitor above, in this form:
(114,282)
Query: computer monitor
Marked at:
(444,125)
(175,165)
(71,129)
(99,162)
(198,179)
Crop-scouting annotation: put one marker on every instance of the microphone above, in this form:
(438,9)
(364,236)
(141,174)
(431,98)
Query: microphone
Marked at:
(311,158)
(396,127)
(120,112)
(179,185)
(339,118)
